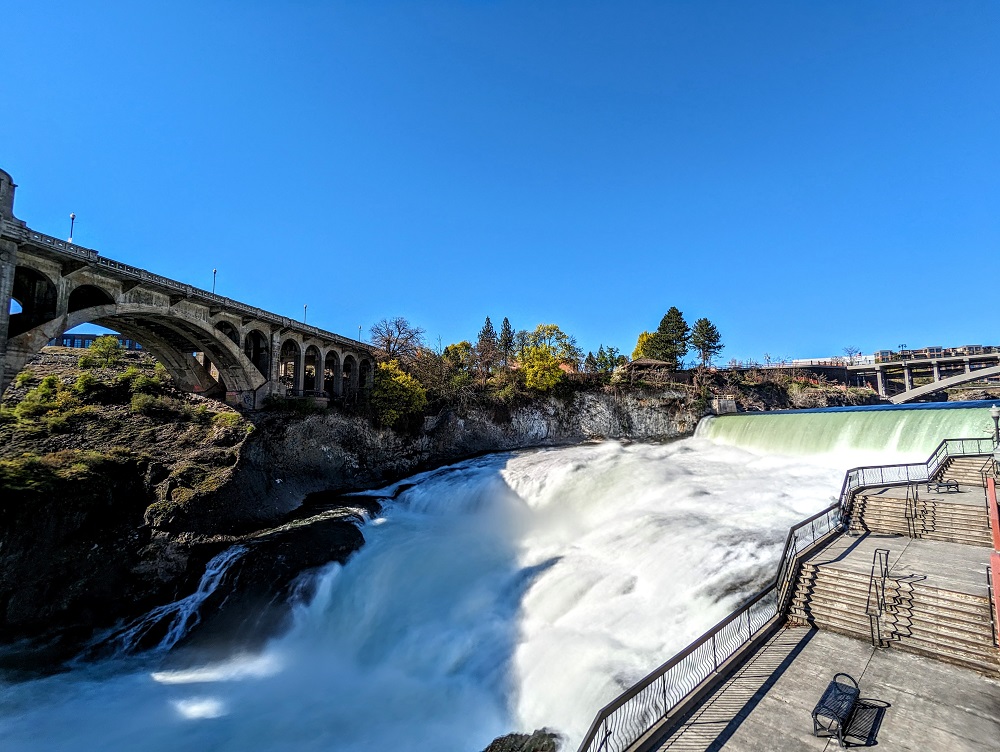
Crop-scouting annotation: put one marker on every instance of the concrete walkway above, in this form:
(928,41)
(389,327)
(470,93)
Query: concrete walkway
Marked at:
(917,703)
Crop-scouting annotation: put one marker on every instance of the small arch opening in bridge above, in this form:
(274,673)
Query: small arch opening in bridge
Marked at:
(229,331)
(288,365)
(15,307)
(310,381)
(88,296)
(36,294)
(331,374)
(257,350)
(350,378)
(365,374)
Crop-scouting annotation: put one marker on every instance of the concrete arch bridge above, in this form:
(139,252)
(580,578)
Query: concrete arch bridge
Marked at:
(209,344)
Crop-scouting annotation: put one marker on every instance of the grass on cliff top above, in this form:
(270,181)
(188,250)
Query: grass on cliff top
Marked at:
(45,472)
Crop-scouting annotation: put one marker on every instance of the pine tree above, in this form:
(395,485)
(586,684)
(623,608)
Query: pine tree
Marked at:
(670,340)
(506,342)
(590,364)
(705,338)
(487,350)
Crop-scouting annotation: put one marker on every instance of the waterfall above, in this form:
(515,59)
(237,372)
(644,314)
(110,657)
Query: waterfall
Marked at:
(862,435)
(178,617)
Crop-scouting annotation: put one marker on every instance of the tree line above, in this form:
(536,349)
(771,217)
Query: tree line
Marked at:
(505,365)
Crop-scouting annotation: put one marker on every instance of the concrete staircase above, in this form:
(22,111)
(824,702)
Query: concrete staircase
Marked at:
(931,519)
(968,471)
(941,624)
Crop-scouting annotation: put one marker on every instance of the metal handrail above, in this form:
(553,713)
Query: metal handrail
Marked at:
(876,586)
(894,475)
(626,718)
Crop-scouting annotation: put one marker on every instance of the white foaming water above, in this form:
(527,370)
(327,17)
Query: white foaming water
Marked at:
(183,614)
(505,593)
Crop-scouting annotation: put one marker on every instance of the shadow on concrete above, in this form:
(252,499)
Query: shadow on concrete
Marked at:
(865,723)
(740,695)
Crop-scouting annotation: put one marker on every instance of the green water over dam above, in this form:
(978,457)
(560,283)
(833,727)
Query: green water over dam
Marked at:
(877,432)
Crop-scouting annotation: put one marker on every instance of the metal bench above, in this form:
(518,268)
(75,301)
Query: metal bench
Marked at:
(832,714)
(942,485)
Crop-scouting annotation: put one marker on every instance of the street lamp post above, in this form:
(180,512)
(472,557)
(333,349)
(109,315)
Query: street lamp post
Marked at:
(359,332)
(72,221)
(305,309)
(995,414)
(214,272)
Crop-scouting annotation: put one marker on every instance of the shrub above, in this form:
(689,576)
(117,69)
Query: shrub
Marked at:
(24,378)
(396,395)
(154,407)
(50,396)
(226,420)
(105,352)
(87,385)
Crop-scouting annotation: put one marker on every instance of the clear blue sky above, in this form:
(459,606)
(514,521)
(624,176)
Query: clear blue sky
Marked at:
(808,175)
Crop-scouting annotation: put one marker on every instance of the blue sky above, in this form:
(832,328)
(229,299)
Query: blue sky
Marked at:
(808,175)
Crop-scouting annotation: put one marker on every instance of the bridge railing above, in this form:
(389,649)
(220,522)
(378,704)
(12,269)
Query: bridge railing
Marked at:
(189,291)
(912,472)
(627,718)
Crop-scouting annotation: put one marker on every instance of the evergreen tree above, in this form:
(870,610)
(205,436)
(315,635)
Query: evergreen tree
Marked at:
(607,359)
(487,350)
(590,364)
(506,342)
(705,338)
(670,340)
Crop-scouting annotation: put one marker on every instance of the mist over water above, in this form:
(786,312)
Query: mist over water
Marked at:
(505,593)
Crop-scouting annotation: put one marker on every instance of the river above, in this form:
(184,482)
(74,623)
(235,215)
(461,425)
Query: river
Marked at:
(509,592)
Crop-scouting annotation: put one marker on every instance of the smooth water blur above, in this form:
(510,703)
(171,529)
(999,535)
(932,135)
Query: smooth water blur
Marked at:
(506,593)
(857,436)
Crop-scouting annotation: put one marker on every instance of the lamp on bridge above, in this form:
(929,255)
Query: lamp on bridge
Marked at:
(72,221)
(995,414)
(214,272)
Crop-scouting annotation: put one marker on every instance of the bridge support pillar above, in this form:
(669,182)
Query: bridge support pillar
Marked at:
(880,376)
(968,366)
(8,265)
(907,378)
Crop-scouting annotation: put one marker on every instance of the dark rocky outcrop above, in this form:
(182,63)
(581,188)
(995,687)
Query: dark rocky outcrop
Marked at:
(540,741)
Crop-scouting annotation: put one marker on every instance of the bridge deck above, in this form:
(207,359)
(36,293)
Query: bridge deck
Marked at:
(766,705)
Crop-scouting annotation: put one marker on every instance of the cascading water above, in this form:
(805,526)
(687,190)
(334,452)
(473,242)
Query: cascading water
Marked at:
(505,593)
(179,617)
(857,435)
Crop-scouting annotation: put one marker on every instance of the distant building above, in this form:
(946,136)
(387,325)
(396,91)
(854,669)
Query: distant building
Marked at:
(86,340)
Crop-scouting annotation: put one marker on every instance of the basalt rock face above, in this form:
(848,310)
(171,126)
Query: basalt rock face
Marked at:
(288,458)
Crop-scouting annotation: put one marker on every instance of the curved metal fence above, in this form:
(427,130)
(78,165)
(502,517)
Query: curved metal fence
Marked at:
(913,472)
(622,722)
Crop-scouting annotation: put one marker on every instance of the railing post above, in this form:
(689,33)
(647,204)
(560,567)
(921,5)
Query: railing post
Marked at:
(715,656)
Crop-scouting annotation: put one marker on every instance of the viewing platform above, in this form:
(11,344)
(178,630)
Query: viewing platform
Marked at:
(915,704)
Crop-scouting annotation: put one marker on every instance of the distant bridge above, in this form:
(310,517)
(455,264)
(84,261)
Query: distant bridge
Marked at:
(942,372)
(207,343)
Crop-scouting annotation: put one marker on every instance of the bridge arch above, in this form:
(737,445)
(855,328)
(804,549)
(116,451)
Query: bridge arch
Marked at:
(257,348)
(228,330)
(331,374)
(288,364)
(89,296)
(349,383)
(312,366)
(38,297)
(170,337)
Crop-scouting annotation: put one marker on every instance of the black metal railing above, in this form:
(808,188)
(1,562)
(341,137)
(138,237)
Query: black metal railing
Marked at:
(623,721)
(913,472)
(875,605)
